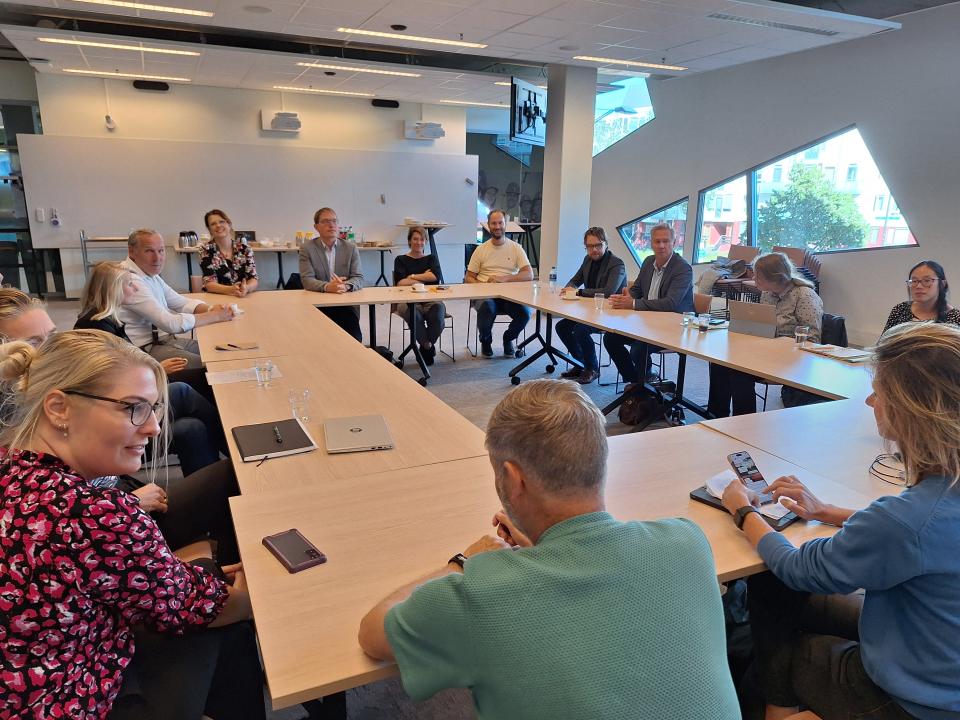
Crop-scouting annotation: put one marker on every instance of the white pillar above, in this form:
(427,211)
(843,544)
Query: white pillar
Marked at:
(567,167)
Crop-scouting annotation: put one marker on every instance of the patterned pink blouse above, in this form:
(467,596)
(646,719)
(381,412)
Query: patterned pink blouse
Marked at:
(217,268)
(79,566)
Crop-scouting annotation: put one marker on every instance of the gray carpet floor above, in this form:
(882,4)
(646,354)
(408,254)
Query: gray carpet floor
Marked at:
(472,386)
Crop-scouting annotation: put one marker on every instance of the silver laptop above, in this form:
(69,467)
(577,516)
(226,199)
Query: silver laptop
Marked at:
(749,318)
(357,434)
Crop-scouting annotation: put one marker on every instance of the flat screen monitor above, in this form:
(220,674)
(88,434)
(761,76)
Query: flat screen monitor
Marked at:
(528,113)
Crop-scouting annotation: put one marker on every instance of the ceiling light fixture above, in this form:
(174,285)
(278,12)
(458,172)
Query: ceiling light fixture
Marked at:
(412,38)
(149,8)
(116,46)
(318,90)
(478,104)
(504,83)
(346,68)
(629,63)
(137,76)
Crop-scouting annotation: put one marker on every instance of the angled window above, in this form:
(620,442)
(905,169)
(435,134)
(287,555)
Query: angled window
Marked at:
(818,208)
(636,233)
(620,111)
(723,219)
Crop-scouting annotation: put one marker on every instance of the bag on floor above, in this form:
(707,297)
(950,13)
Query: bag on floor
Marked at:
(641,407)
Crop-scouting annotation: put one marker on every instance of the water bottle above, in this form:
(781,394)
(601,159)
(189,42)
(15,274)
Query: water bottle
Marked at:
(553,279)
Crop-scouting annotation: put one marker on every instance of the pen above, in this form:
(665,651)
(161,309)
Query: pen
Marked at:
(277,435)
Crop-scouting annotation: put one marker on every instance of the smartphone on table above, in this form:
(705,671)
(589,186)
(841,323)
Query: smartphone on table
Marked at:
(749,474)
(293,550)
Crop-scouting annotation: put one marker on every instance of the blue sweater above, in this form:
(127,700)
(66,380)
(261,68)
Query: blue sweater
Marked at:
(904,551)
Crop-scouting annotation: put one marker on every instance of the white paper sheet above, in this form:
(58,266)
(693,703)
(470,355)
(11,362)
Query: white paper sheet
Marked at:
(718,483)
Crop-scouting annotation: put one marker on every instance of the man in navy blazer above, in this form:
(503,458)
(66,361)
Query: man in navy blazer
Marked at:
(665,284)
(331,265)
(601,273)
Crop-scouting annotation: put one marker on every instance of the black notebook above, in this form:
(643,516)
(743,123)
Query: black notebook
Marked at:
(272,439)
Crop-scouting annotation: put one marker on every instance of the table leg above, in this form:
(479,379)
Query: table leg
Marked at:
(546,348)
(373,325)
(383,272)
(414,347)
(189,268)
(280,269)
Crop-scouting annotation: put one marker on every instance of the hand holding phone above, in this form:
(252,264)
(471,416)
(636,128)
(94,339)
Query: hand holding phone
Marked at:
(293,550)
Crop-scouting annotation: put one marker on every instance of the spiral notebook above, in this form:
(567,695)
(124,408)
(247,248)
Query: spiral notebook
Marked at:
(272,439)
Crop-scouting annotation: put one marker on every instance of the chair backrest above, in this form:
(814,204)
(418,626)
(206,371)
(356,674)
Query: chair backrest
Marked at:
(798,256)
(701,303)
(743,252)
(833,330)
(196,283)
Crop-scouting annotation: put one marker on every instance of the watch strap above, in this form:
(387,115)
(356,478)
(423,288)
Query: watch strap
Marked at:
(741,515)
(458,559)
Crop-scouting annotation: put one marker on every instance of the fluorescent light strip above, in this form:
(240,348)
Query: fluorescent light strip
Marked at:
(630,63)
(115,46)
(137,76)
(346,68)
(144,6)
(479,104)
(317,90)
(411,38)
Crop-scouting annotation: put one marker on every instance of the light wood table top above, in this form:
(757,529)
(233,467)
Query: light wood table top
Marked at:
(838,440)
(380,531)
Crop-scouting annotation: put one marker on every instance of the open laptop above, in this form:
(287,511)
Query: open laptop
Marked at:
(749,318)
(357,434)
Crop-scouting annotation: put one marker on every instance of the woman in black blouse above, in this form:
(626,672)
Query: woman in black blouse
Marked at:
(412,268)
(226,263)
(927,288)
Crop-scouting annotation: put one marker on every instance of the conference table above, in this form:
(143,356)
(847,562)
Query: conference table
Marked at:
(383,518)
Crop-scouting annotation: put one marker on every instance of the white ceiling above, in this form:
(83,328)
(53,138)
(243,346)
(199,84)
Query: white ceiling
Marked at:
(675,31)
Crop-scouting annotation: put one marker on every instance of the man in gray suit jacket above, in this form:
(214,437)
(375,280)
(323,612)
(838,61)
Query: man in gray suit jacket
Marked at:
(665,284)
(331,265)
(601,273)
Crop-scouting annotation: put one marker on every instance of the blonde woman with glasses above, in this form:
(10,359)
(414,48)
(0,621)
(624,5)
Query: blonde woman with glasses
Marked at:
(927,290)
(889,651)
(87,577)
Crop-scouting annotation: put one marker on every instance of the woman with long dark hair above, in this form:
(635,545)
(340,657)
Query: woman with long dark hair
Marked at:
(928,289)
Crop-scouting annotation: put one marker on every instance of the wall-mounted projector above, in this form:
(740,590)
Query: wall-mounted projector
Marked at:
(413,130)
(280,121)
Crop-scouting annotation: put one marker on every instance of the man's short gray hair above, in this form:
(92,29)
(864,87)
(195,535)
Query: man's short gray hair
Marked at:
(554,432)
(134,237)
(664,226)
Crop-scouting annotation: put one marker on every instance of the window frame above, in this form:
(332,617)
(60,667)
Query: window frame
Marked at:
(751,176)
(630,249)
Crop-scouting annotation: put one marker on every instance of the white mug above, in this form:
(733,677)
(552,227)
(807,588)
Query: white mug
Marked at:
(419,287)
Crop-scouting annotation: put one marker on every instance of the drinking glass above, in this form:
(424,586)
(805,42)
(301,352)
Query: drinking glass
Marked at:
(598,299)
(703,321)
(536,287)
(689,319)
(800,334)
(300,404)
(264,372)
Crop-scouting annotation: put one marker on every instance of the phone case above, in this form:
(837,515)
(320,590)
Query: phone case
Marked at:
(293,550)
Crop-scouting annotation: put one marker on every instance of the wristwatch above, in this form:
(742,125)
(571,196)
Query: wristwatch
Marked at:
(458,559)
(741,515)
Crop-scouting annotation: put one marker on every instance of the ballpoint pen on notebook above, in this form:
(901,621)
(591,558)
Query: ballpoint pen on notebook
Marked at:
(277,435)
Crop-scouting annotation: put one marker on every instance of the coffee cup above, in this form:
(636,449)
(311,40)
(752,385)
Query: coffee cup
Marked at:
(419,287)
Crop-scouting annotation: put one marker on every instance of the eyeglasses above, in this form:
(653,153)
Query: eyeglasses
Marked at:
(889,468)
(327,221)
(922,282)
(139,411)
(593,246)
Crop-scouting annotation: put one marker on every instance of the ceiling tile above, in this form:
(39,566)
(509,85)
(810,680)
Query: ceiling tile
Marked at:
(585,11)
(526,7)
(547,27)
(518,40)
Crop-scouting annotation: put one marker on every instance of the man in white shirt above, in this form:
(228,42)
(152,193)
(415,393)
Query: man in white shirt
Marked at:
(157,313)
(499,260)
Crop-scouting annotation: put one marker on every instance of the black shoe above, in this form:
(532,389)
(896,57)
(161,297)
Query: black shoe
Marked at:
(588,376)
(486,349)
(509,350)
(571,374)
(428,354)
(652,378)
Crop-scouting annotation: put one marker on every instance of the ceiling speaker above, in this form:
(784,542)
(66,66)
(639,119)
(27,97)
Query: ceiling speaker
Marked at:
(377,102)
(153,85)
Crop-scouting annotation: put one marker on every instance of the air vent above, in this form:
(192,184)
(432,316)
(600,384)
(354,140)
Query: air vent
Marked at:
(771,24)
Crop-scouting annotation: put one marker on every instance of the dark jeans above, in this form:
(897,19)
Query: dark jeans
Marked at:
(579,341)
(432,316)
(808,652)
(348,318)
(792,397)
(628,360)
(196,432)
(728,385)
(195,378)
(487,311)
(212,671)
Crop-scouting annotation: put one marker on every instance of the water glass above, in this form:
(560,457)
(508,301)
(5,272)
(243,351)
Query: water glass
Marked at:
(703,322)
(598,300)
(800,334)
(264,372)
(300,404)
(536,287)
(689,319)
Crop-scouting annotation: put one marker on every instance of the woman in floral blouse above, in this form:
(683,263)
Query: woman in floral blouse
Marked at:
(85,570)
(227,264)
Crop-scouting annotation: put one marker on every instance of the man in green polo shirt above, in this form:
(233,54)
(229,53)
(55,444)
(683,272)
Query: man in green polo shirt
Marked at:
(569,613)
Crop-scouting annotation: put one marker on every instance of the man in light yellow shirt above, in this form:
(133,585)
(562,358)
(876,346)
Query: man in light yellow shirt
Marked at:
(499,260)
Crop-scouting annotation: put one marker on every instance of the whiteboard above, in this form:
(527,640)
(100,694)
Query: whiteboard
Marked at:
(110,186)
